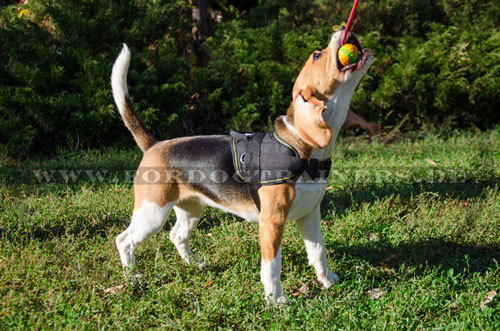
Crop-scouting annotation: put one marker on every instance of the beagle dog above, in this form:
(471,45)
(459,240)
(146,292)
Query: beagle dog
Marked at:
(187,174)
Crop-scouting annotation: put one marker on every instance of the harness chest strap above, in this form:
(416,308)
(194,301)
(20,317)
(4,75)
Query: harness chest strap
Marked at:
(254,164)
(267,159)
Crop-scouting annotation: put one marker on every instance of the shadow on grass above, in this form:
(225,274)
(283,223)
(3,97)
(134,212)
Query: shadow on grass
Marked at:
(80,227)
(431,252)
(339,201)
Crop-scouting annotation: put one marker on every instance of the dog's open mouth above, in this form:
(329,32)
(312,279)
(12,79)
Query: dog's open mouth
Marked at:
(352,39)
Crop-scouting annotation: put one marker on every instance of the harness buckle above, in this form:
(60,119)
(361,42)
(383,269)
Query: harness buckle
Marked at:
(312,167)
(328,167)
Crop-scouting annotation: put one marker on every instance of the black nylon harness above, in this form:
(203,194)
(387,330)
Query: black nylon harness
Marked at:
(267,159)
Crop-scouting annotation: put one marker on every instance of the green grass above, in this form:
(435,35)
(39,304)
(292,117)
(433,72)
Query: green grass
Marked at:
(427,235)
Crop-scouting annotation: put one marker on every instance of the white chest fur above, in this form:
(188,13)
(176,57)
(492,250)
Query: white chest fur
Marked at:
(308,193)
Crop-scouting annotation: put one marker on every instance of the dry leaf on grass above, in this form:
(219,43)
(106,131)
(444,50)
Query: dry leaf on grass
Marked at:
(209,283)
(389,260)
(488,299)
(297,291)
(386,264)
(431,162)
(115,289)
(374,293)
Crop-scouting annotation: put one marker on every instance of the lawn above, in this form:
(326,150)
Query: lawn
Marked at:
(411,225)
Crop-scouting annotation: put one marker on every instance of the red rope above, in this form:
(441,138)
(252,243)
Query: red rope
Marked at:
(349,22)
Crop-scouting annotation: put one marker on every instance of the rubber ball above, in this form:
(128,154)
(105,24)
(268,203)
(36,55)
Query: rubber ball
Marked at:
(348,54)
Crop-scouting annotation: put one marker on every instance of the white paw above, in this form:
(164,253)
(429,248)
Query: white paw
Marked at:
(133,276)
(279,301)
(195,261)
(283,301)
(328,280)
(131,271)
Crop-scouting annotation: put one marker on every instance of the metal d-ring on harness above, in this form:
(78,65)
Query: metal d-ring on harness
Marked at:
(267,159)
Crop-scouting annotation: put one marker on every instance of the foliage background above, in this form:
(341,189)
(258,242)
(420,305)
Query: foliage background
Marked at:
(437,64)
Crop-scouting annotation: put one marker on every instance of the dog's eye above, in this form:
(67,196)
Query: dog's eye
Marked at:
(316,56)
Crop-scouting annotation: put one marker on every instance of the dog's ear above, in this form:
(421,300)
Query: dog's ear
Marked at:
(308,119)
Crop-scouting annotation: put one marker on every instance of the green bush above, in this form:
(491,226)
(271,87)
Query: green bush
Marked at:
(437,63)
(55,64)
(451,76)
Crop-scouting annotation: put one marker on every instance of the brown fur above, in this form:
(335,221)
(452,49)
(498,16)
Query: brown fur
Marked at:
(315,84)
(151,181)
(310,124)
(318,79)
(141,134)
(276,201)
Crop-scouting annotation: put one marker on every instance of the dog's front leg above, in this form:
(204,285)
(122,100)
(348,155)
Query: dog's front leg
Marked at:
(275,204)
(309,227)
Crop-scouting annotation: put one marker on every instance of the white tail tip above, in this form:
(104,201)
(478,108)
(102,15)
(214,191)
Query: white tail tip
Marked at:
(119,77)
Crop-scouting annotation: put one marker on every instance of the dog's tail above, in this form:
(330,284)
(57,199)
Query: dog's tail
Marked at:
(142,136)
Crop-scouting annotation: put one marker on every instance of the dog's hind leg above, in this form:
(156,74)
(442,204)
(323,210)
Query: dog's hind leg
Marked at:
(146,221)
(309,227)
(188,214)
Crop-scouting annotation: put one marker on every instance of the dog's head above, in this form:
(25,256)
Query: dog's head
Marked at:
(317,82)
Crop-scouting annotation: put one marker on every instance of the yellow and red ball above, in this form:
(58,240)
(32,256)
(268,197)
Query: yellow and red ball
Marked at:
(348,54)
